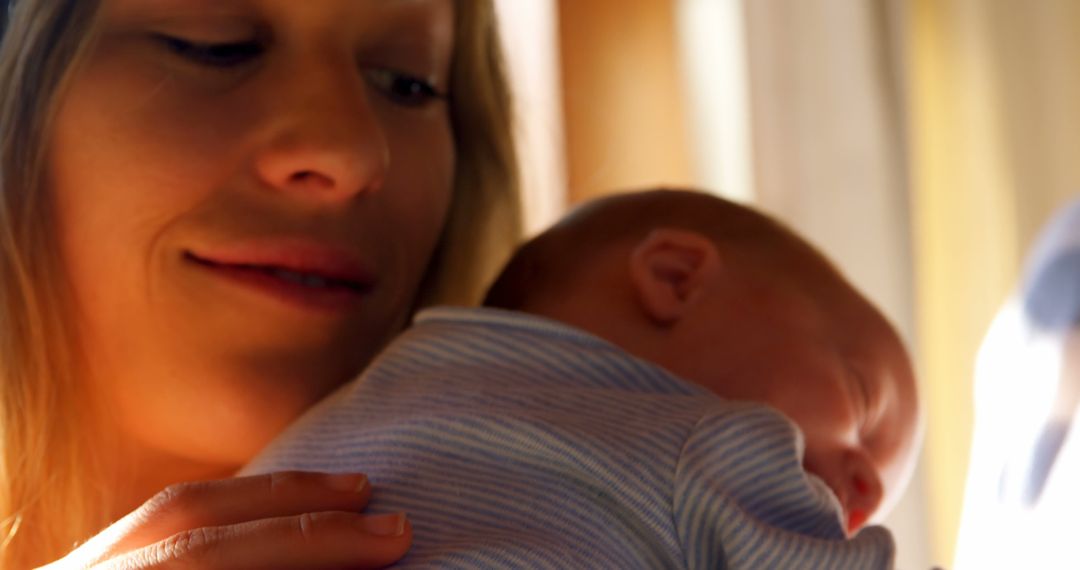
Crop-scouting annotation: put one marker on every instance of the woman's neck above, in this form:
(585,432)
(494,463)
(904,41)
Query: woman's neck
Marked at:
(140,472)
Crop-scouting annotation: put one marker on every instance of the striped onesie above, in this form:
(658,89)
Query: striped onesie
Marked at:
(515,441)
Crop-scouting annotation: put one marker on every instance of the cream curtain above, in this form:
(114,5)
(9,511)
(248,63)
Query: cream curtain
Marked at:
(530,37)
(995,92)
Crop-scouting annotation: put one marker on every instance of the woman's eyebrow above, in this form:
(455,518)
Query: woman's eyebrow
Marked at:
(173,5)
(160,12)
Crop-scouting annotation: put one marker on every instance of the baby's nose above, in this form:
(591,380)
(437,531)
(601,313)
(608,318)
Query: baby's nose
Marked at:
(864,491)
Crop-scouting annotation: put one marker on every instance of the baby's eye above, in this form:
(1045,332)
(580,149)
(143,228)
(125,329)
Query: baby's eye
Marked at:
(403,89)
(220,55)
(863,402)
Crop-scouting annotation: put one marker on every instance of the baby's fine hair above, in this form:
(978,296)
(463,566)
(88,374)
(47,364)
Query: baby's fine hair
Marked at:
(548,262)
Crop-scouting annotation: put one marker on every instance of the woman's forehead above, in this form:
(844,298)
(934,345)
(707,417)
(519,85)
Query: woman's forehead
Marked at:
(436,13)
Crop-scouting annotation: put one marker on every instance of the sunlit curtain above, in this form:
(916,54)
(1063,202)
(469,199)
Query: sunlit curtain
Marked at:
(1023,485)
(529,30)
(995,95)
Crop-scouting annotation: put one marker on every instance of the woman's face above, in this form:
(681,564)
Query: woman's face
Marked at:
(247,194)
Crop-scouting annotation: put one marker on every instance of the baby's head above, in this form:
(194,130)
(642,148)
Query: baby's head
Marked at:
(728,298)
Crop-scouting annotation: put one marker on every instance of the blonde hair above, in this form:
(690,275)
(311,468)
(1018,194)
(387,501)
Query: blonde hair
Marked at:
(484,222)
(49,494)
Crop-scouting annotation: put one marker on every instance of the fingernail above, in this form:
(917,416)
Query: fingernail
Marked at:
(346,482)
(384,525)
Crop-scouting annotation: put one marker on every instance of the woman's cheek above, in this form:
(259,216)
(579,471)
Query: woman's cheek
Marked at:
(426,191)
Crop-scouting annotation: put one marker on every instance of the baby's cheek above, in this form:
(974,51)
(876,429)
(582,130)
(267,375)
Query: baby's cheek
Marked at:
(830,472)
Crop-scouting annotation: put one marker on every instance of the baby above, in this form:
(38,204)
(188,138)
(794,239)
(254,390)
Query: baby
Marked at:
(662,380)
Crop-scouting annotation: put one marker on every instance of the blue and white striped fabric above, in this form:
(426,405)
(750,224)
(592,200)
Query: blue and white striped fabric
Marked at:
(518,442)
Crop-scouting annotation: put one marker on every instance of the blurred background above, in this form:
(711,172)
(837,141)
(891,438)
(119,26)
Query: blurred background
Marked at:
(921,144)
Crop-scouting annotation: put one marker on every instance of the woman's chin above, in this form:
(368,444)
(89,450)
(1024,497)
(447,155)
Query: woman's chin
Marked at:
(220,429)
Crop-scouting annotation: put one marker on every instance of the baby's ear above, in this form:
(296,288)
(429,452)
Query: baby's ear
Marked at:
(672,269)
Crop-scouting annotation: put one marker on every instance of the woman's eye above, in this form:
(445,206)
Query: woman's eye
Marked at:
(403,89)
(224,55)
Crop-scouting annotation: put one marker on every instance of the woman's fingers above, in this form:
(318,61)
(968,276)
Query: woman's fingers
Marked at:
(226,502)
(310,540)
(280,520)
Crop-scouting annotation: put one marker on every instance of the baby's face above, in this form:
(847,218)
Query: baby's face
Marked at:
(837,369)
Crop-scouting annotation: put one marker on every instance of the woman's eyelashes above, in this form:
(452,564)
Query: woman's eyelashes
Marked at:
(222,55)
(401,88)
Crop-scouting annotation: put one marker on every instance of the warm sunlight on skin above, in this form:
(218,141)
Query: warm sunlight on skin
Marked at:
(828,360)
(247,195)
(765,319)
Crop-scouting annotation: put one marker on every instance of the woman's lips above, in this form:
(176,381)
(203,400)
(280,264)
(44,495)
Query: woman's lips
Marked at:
(304,275)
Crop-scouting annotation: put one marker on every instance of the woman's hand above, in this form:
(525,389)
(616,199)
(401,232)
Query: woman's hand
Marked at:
(280,520)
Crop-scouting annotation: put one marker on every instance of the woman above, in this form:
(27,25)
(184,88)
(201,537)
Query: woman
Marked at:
(213,214)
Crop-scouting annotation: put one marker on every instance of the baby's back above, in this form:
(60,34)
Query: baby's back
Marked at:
(517,442)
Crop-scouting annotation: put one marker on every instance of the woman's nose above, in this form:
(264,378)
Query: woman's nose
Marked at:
(322,138)
(864,490)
